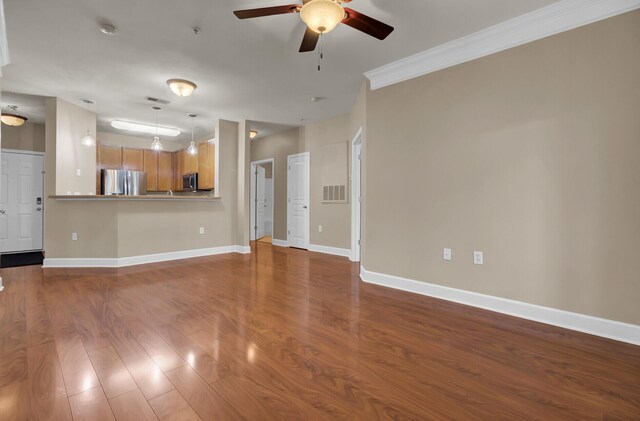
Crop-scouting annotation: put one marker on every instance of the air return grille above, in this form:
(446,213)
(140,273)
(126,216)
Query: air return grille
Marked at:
(334,194)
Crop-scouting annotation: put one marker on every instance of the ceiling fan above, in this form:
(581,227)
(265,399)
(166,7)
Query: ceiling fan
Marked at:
(322,16)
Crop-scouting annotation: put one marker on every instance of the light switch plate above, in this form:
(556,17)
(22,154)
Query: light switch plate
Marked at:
(74,236)
(201,230)
(78,172)
(478,258)
(319,228)
(446,254)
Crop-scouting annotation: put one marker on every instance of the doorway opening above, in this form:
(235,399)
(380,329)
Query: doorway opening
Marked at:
(356,196)
(261,200)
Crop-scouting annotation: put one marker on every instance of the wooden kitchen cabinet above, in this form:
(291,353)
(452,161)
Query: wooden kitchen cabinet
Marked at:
(151,168)
(165,171)
(108,158)
(177,170)
(206,166)
(132,159)
(189,163)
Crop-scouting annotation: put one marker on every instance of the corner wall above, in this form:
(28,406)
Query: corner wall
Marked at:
(529,155)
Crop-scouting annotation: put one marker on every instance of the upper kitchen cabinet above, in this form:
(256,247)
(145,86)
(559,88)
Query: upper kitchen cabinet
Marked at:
(110,157)
(151,168)
(165,171)
(206,165)
(177,170)
(189,163)
(132,159)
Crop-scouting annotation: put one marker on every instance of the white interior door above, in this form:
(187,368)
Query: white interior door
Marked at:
(21,202)
(261,200)
(258,201)
(298,201)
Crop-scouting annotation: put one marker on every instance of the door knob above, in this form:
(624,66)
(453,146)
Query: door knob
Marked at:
(3,211)
(304,207)
(38,209)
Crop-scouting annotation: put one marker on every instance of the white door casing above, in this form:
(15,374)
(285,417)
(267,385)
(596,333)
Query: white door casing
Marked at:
(298,200)
(21,202)
(356,197)
(259,171)
(261,200)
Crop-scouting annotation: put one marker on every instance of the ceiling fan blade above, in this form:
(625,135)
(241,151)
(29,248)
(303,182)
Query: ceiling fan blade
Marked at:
(266,11)
(368,25)
(309,41)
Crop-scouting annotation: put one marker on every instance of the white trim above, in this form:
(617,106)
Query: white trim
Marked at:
(279,243)
(4,45)
(550,20)
(4,150)
(117,262)
(611,329)
(1,286)
(330,250)
(355,215)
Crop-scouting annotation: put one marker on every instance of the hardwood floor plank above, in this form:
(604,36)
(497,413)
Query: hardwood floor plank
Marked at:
(91,405)
(39,325)
(172,406)
(132,406)
(47,392)
(79,374)
(113,375)
(14,402)
(207,403)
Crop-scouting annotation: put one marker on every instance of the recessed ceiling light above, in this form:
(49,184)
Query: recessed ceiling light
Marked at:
(181,87)
(144,128)
(108,29)
(253,134)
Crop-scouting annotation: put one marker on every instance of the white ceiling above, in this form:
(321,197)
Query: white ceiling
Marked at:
(245,69)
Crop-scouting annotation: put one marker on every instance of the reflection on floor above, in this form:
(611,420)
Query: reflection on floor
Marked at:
(266,239)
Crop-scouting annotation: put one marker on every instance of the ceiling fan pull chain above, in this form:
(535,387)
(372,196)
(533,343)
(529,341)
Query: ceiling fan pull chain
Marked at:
(320,55)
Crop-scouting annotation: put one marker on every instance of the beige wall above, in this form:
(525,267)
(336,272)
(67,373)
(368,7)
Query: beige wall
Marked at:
(278,147)
(71,125)
(122,229)
(28,137)
(530,155)
(139,142)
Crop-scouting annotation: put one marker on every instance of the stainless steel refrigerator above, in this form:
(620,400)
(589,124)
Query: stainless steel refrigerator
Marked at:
(123,183)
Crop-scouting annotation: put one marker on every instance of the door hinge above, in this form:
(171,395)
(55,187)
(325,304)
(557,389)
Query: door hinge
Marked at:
(289,167)
(359,156)
(288,232)
(358,242)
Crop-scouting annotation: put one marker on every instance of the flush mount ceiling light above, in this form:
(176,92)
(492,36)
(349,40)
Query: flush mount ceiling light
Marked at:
(181,87)
(322,16)
(144,128)
(108,28)
(13,118)
(156,145)
(253,134)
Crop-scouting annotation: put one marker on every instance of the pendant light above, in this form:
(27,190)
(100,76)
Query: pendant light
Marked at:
(156,145)
(192,149)
(88,139)
(13,118)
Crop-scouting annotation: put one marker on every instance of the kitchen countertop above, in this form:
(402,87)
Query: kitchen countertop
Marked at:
(148,197)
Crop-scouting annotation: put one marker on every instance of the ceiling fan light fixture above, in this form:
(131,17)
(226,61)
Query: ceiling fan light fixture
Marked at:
(14,120)
(322,16)
(253,134)
(181,87)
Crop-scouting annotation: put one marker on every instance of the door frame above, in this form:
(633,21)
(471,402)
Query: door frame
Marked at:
(44,207)
(273,177)
(356,202)
(308,200)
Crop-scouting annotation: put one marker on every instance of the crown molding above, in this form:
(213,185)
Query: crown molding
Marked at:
(550,20)
(4,46)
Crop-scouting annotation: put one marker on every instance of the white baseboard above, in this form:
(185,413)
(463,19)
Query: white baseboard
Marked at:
(330,250)
(279,243)
(611,329)
(117,262)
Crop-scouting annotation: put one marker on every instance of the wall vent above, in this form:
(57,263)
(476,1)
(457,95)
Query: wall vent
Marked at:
(156,100)
(334,194)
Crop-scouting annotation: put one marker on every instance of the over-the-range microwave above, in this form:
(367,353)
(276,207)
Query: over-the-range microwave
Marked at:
(190,182)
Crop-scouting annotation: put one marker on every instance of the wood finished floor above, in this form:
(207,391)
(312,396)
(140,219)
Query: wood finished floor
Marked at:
(286,334)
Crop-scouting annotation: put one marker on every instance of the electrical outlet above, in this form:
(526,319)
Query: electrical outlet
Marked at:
(74,236)
(201,230)
(478,258)
(446,254)
(78,172)
(319,228)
